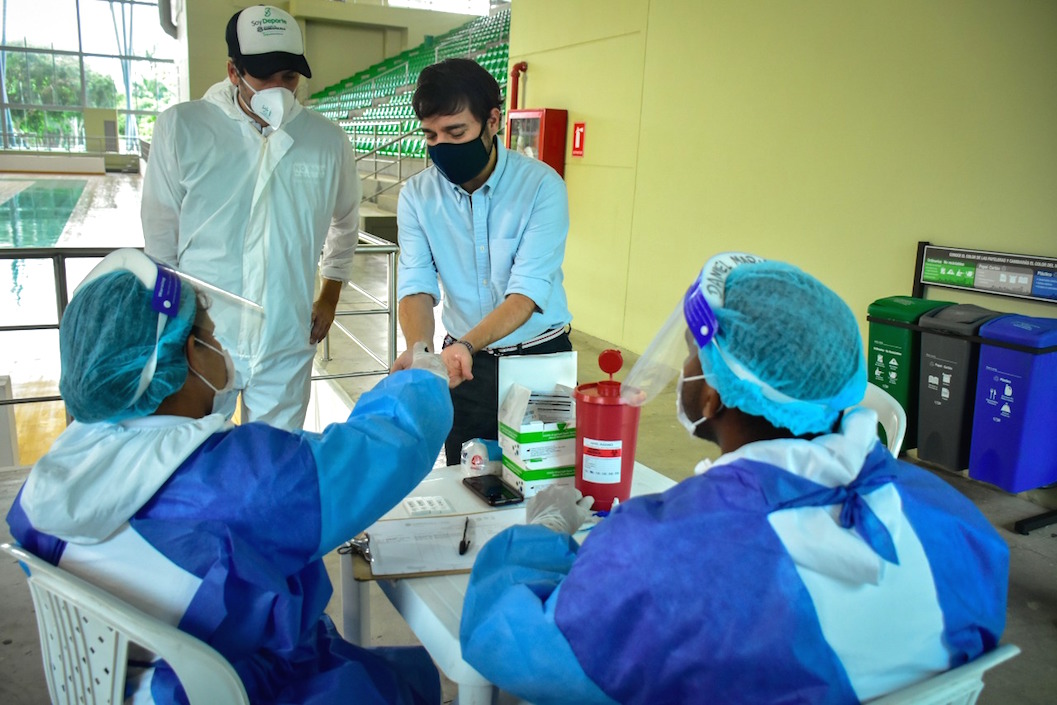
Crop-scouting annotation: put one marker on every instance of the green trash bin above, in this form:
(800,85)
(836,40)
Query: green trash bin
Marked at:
(893,357)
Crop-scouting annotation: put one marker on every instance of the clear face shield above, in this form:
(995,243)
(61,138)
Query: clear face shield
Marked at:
(231,315)
(664,357)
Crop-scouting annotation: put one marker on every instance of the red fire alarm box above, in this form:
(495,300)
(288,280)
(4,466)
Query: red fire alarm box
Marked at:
(538,133)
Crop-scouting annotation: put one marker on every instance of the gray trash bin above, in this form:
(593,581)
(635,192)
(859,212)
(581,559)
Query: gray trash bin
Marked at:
(947,383)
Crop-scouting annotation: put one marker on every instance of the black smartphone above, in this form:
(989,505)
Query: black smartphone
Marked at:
(493,490)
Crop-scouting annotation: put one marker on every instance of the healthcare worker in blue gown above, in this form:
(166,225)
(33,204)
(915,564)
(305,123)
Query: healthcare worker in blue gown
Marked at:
(805,564)
(220,530)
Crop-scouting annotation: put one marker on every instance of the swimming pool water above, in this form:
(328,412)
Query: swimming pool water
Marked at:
(36,216)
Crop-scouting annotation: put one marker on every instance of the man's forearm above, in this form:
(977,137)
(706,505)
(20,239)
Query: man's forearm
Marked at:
(415,313)
(330,291)
(506,318)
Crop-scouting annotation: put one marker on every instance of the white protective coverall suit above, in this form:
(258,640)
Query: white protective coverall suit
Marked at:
(250,214)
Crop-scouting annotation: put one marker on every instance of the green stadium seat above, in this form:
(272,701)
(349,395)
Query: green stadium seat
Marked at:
(386,113)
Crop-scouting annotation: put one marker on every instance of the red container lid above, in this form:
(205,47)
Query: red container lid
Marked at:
(606,391)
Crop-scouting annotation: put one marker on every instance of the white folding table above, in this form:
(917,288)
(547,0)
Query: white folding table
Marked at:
(432,605)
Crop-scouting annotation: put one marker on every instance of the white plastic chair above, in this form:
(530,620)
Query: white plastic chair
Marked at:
(959,686)
(890,414)
(85,634)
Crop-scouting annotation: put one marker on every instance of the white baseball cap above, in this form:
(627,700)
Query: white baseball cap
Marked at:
(265,40)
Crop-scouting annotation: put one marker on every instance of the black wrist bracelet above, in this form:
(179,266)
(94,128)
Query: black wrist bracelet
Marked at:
(467,343)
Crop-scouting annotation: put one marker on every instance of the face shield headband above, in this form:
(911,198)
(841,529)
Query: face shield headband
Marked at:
(737,385)
(664,357)
(166,285)
(164,282)
(696,320)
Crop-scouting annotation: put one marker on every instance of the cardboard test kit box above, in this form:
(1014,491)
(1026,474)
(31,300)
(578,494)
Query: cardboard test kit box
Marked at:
(537,420)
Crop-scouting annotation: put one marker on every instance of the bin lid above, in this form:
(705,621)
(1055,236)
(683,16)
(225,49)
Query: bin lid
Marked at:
(1029,331)
(907,309)
(961,319)
(605,392)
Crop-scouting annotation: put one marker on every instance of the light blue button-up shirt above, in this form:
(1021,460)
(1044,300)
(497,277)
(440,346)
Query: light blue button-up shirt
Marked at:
(508,237)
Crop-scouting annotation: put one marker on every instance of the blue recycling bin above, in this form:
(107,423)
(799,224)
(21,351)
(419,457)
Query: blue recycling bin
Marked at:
(1014,443)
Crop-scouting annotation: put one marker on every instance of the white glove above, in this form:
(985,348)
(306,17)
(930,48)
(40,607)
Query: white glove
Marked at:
(560,508)
(421,359)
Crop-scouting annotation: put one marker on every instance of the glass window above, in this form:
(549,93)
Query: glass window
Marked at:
(22,24)
(43,79)
(466,7)
(123,61)
(104,83)
(77,268)
(107,28)
(149,38)
(153,85)
(61,130)
(97,28)
(28,284)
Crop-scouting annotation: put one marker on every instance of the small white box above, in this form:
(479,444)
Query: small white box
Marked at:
(517,478)
(537,431)
(541,450)
(537,420)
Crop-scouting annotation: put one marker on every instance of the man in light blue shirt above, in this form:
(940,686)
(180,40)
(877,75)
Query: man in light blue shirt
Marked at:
(488,227)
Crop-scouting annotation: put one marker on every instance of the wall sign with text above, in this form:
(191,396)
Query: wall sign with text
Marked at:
(1020,276)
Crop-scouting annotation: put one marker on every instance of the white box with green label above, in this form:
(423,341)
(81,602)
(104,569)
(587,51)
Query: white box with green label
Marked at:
(522,480)
(537,420)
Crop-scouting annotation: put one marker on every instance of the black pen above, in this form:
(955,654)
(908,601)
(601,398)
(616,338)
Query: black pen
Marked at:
(464,545)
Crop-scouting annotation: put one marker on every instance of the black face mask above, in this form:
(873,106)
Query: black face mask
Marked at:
(460,162)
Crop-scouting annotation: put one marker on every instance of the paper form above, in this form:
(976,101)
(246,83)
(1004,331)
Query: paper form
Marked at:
(431,544)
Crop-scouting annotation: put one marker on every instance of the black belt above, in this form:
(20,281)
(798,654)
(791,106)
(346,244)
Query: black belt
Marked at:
(545,337)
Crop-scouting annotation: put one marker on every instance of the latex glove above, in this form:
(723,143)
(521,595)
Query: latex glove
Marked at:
(561,508)
(423,360)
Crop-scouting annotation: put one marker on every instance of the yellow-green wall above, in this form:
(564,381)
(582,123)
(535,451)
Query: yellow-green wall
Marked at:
(830,134)
(340,38)
(587,58)
(360,47)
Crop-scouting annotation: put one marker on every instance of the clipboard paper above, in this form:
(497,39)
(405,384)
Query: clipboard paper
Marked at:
(430,545)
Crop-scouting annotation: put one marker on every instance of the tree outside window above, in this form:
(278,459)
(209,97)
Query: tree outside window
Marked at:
(51,71)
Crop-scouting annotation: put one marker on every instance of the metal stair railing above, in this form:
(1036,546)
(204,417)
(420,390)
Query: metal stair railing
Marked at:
(369,245)
(373,245)
(389,160)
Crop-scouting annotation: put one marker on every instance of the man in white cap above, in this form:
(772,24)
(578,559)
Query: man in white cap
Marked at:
(244,189)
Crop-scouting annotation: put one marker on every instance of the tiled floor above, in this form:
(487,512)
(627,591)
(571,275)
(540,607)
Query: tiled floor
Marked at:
(1029,679)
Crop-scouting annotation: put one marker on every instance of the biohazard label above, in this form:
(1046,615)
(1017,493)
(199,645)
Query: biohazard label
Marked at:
(602,460)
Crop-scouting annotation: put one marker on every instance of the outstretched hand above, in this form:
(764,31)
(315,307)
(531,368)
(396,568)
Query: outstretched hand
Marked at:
(459,362)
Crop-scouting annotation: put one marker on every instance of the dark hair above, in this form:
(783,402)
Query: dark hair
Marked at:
(453,85)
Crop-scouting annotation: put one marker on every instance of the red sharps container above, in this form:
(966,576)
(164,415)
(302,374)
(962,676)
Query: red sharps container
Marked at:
(606,430)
